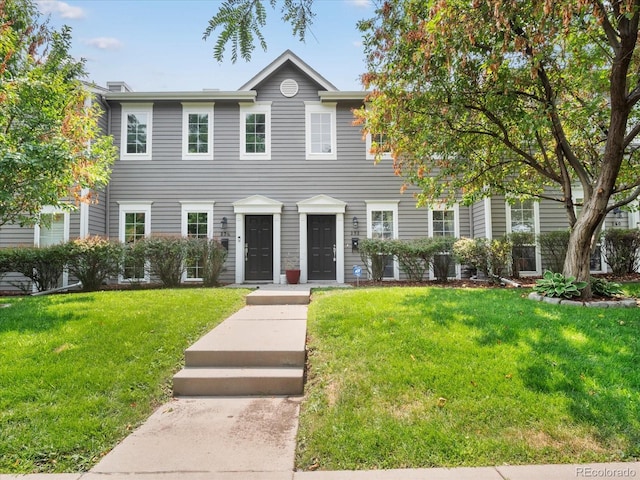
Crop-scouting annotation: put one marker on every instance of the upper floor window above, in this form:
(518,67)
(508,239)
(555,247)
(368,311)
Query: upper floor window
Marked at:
(523,216)
(197,131)
(136,131)
(321,130)
(377,143)
(255,126)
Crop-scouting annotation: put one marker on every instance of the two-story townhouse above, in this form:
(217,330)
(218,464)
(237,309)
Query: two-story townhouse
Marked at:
(278,172)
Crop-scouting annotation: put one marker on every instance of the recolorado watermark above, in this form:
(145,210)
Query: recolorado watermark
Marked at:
(606,472)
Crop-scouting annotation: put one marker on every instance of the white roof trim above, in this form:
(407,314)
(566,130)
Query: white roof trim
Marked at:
(257,204)
(321,204)
(288,56)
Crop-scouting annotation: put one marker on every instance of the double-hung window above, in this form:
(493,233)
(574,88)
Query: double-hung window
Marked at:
(136,132)
(377,144)
(382,224)
(197,131)
(444,223)
(197,223)
(255,130)
(321,140)
(523,217)
(52,229)
(135,224)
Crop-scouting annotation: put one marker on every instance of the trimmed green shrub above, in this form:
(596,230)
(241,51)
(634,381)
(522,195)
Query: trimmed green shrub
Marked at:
(42,265)
(166,256)
(209,257)
(374,253)
(557,285)
(443,259)
(621,250)
(92,260)
(553,246)
(491,257)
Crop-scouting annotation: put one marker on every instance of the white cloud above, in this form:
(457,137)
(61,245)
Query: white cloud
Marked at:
(104,43)
(361,3)
(61,8)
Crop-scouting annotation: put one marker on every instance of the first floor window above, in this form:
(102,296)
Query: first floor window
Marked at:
(443,223)
(383,225)
(197,223)
(523,225)
(53,229)
(135,224)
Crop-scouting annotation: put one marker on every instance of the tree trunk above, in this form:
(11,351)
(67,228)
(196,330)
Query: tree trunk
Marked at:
(582,241)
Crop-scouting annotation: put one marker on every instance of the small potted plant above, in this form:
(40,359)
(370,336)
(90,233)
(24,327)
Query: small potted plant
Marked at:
(291,270)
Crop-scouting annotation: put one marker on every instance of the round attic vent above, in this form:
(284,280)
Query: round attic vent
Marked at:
(289,87)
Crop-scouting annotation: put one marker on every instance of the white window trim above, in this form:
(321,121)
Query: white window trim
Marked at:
(258,107)
(319,107)
(196,207)
(128,108)
(370,155)
(47,210)
(134,207)
(536,232)
(376,206)
(197,108)
(456,229)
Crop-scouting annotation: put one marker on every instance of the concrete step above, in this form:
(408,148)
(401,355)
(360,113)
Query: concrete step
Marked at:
(238,381)
(278,297)
(251,343)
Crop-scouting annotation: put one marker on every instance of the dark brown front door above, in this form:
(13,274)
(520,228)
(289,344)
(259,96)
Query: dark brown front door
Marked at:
(258,234)
(321,244)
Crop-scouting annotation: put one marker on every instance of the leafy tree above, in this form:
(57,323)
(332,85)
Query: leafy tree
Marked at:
(242,21)
(519,98)
(516,98)
(50,147)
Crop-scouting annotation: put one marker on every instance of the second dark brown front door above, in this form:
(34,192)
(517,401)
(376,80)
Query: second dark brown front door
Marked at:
(321,247)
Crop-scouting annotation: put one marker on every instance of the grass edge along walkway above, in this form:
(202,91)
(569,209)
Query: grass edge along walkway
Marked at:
(436,377)
(80,372)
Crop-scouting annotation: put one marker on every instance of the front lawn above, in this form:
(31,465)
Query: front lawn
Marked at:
(79,372)
(424,377)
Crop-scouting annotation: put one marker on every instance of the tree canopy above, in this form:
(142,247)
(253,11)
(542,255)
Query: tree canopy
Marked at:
(526,99)
(51,150)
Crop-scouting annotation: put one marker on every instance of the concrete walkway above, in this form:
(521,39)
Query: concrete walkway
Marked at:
(234,438)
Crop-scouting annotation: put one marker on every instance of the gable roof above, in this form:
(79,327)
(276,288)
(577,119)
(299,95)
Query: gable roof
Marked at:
(288,56)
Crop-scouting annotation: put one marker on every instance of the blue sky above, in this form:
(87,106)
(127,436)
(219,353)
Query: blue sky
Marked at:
(157,45)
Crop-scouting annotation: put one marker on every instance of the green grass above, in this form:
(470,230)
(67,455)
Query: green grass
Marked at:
(424,377)
(79,372)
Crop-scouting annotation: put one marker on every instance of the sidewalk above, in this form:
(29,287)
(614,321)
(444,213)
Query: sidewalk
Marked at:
(254,438)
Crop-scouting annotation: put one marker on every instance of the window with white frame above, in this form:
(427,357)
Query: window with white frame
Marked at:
(197,222)
(136,133)
(321,130)
(382,224)
(52,228)
(197,131)
(523,217)
(135,224)
(255,130)
(377,142)
(444,223)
